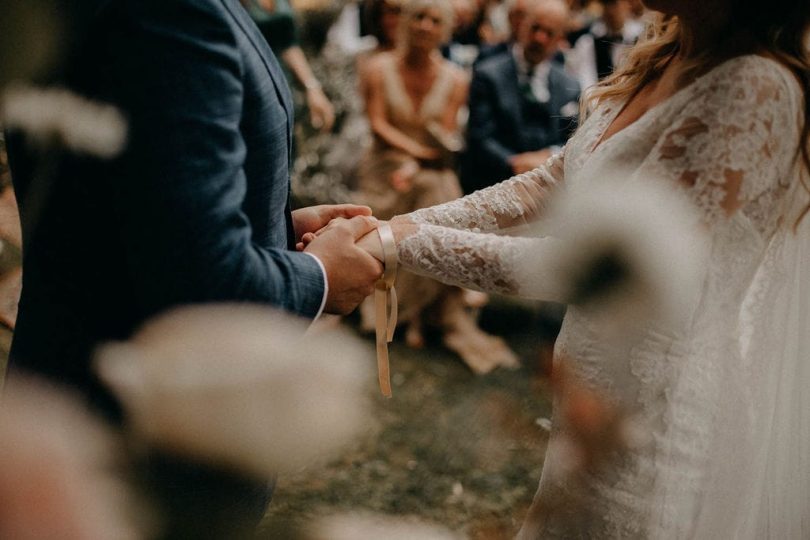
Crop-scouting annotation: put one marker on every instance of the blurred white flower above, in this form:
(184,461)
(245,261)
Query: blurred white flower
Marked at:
(373,527)
(631,249)
(241,385)
(57,116)
(57,467)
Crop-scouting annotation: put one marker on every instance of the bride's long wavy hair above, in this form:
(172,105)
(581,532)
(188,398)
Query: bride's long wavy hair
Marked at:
(780,29)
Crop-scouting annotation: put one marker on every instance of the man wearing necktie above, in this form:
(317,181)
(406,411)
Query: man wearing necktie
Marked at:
(523,105)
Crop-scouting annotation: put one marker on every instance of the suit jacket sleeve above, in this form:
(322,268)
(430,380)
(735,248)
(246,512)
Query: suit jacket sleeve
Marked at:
(176,71)
(482,126)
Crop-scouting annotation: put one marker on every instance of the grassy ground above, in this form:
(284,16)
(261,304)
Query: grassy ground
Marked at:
(449,447)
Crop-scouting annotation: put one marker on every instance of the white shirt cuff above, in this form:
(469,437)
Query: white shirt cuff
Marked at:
(325,285)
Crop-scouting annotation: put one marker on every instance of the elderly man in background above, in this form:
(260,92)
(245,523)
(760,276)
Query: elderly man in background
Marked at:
(522,103)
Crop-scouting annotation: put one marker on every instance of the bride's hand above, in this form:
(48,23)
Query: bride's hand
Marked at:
(372,244)
(401,227)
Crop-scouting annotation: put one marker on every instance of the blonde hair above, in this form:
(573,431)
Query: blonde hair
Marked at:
(644,62)
(413,7)
(779,30)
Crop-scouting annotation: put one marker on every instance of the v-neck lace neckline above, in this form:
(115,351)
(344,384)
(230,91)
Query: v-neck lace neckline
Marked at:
(610,116)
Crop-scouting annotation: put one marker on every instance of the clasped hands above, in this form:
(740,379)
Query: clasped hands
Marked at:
(345,239)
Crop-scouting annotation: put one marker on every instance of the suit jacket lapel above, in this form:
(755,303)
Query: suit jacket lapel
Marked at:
(279,83)
(268,58)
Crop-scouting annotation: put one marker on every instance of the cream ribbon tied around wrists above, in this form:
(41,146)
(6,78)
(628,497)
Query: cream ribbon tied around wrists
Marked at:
(385,302)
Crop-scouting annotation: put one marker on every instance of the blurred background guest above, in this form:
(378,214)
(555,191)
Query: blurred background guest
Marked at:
(596,52)
(276,20)
(515,11)
(480,25)
(638,10)
(347,30)
(340,43)
(495,28)
(414,98)
(583,13)
(382,21)
(465,39)
(522,103)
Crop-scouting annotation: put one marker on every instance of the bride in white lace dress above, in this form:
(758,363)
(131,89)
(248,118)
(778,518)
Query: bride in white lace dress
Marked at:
(714,101)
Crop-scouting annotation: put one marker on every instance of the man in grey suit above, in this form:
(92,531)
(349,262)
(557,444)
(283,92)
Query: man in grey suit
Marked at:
(522,102)
(195,210)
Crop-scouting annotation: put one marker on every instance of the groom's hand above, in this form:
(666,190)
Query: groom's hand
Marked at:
(314,218)
(371,243)
(350,271)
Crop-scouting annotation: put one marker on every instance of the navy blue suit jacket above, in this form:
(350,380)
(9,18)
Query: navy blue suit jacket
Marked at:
(500,123)
(195,210)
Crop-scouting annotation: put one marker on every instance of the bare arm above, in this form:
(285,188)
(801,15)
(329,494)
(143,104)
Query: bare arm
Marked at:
(321,111)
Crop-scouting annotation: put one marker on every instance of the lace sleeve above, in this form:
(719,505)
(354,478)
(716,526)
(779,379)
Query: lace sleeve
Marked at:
(516,201)
(733,146)
(488,262)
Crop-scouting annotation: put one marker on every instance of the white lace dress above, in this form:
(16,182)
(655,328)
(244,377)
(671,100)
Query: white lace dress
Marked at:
(729,455)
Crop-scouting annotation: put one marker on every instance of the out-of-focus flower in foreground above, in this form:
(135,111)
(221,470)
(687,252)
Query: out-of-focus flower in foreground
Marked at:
(57,470)
(374,527)
(592,428)
(591,434)
(632,249)
(241,386)
(54,116)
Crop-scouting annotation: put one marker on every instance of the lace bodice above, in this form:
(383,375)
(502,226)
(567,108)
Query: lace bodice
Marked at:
(730,141)
(722,138)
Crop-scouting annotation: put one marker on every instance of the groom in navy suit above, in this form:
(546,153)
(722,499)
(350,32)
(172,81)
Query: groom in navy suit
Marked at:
(195,210)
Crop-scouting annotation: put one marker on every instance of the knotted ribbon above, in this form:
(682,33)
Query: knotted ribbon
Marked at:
(385,301)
